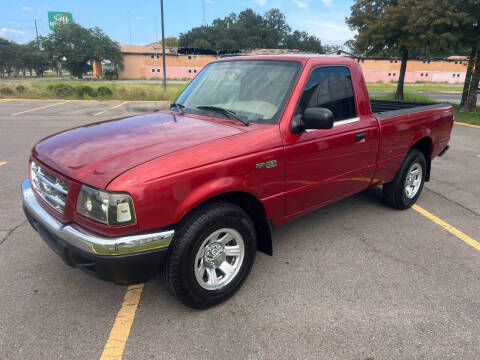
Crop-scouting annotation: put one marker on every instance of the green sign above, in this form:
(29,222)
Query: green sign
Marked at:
(56,17)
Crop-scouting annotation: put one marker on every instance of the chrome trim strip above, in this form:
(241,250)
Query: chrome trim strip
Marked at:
(346,121)
(55,186)
(339,123)
(90,242)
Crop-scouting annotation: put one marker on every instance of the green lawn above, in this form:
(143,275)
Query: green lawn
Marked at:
(468,118)
(111,90)
(407,96)
(414,87)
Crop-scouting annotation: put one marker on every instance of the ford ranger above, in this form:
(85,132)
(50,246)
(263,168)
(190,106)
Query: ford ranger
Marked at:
(193,191)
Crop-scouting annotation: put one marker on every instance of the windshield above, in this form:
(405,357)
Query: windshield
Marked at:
(254,90)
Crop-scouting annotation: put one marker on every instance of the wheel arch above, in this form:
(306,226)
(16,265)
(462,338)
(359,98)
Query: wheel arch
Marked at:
(252,206)
(424,145)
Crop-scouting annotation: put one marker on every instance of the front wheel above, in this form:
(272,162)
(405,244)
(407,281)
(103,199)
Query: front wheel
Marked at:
(211,255)
(406,187)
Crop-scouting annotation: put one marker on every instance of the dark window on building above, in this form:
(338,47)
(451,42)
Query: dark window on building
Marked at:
(421,74)
(153,70)
(158,56)
(389,74)
(330,87)
(195,71)
(189,57)
(189,71)
(426,74)
(152,56)
(394,74)
(391,61)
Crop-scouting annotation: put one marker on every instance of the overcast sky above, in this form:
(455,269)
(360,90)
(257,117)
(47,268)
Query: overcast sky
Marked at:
(323,18)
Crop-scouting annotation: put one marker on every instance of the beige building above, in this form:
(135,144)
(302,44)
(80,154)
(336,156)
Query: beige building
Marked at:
(145,62)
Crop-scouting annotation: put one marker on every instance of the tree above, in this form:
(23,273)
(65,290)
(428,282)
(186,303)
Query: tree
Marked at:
(79,46)
(248,30)
(171,41)
(201,44)
(386,25)
(471,37)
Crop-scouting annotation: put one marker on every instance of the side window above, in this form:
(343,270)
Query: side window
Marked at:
(330,87)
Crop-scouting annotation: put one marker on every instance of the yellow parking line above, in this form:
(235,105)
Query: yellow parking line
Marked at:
(110,108)
(462,236)
(469,125)
(39,108)
(3,163)
(115,345)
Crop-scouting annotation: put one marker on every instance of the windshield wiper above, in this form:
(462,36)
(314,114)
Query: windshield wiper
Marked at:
(179,106)
(231,114)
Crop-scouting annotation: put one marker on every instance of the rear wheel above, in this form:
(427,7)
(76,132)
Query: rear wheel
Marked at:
(406,187)
(211,255)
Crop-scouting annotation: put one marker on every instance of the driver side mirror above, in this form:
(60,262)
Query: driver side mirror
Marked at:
(312,118)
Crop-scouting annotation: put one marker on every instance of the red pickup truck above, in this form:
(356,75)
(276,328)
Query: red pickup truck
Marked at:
(193,191)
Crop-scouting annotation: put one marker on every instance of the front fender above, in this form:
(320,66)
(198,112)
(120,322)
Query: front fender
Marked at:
(209,190)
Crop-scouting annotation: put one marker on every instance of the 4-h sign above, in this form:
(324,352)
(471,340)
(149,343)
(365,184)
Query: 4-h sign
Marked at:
(56,17)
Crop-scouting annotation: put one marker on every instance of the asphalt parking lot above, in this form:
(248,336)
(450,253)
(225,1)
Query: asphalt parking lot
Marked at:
(353,280)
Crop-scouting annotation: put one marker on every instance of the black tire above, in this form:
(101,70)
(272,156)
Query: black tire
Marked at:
(394,193)
(190,234)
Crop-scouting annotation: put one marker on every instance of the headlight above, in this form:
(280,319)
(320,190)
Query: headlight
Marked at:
(105,207)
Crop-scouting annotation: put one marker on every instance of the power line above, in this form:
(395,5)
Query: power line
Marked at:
(36,28)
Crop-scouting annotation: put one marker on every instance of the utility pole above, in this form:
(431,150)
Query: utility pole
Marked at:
(163,48)
(129,27)
(36,29)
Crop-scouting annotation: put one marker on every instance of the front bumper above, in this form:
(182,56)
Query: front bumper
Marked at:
(124,260)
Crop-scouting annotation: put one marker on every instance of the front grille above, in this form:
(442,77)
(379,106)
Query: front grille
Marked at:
(50,188)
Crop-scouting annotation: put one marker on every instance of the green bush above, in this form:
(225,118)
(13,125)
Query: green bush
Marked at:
(6,91)
(85,91)
(104,91)
(20,88)
(63,90)
(110,74)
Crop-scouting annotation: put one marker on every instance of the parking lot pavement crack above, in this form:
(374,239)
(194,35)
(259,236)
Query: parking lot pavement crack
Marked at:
(453,201)
(10,232)
(392,257)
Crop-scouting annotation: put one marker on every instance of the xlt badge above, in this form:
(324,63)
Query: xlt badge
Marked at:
(267,164)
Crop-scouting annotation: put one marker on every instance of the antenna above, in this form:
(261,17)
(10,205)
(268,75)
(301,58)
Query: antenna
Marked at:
(204,18)
(129,27)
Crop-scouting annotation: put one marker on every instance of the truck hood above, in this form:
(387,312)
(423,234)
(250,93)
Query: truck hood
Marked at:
(97,153)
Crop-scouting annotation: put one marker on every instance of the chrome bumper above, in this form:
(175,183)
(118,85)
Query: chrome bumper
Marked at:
(90,242)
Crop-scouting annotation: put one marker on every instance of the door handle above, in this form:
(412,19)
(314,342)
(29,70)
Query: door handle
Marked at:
(360,137)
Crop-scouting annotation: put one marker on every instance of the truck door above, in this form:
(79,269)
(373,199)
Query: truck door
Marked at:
(324,165)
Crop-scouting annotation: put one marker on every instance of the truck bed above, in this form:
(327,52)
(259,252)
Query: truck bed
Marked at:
(382,109)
